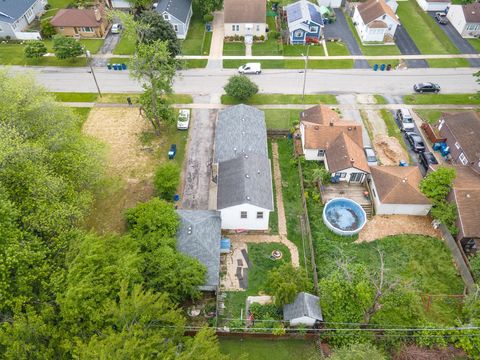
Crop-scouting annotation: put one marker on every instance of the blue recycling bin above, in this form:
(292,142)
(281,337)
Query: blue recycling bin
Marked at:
(115,66)
(124,66)
(382,67)
(375,67)
(176,197)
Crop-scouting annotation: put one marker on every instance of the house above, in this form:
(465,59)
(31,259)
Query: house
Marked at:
(17,15)
(178,13)
(84,23)
(434,5)
(242,169)
(395,191)
(305,310)
(466,19)
(336,142)
(375,21)
(334,4)
(462,131)
(245,18)
(199,237)
(123,5)
(305,22)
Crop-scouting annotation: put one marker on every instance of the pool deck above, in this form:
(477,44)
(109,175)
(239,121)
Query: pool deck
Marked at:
(353,192)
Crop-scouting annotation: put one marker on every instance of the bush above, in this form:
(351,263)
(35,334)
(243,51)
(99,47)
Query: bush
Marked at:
(47,30)
(264,312)
(66,48)
(166,180)
(208,18)
(35,49)
(241,87)
(475,266)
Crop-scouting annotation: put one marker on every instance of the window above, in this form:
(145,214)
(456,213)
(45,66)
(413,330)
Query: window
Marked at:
(313,29)
(238,27)
(463,159)
(233,27)
(321,152)
(298,33)
(259,214)
(457,145)
(341,175)
(86,29)
(175,27)
(373,192)
(383,17)
(166,16)
(243,214)
(258,27)
(61,28)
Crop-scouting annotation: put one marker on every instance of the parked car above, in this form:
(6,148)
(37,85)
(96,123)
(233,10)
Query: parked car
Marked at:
(370,155)
(172,151)
(426,158)
(416,142)
(116,28)
(183,121)
(250,68)
(426,87)
(441,18)
(405,120)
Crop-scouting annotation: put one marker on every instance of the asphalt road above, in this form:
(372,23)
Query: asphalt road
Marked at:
(204,81)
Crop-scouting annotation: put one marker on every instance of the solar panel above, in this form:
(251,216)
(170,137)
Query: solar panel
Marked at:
(294,12)
(315,15)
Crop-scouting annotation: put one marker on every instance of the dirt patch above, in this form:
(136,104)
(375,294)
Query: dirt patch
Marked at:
(389,150)
(381,226)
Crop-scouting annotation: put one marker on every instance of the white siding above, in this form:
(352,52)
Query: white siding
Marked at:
(358,22)
(242,31)
(334,4)
(304,320)
(310,154)
(457,19)
(368,34)
(231,219)
(348,172)
(433,6)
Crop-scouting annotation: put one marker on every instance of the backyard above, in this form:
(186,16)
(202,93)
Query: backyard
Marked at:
(198,40)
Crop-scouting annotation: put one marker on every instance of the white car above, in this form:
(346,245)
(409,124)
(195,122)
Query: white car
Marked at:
(250,68)
(405,120)
(116,28)
(183,119)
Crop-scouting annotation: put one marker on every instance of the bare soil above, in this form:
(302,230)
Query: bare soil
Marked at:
(389,150)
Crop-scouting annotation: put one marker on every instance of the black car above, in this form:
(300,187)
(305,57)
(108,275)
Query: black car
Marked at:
(416,142)
(426,159)
(426,87)
(441,18)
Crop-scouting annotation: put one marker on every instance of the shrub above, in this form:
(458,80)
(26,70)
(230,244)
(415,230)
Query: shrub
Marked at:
(66,48)
(208,18)
(35,49)
(166,180)
(241,87)
(47,30)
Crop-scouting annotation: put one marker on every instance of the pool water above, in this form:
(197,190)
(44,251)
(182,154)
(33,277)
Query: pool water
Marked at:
(344,216)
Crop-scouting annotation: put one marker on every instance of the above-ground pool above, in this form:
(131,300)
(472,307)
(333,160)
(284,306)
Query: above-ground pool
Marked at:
(344,216)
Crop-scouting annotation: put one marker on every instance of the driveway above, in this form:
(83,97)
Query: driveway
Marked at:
(109,44)
(340,30)
(197,171)
(461,44)
(407,47)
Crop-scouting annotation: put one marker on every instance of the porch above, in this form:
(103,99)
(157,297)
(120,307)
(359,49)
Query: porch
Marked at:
(355,192)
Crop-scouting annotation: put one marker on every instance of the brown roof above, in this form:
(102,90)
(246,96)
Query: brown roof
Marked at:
(320,115)
(398,184)
(245,11)
(471,12)
(465,127)
(345,153)
(378,24)
(373,9)
(466,188)
(76,17)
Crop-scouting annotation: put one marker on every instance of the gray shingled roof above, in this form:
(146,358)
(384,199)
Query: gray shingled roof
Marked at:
(199,237)
(11,10)
(246,179)
(304,305)
(240,129)
(176,8)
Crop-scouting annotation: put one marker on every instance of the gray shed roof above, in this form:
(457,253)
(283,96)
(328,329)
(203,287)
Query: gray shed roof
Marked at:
(176,8)
(245,179)
(11,10)
(199,237)
(240,129)
(304,305)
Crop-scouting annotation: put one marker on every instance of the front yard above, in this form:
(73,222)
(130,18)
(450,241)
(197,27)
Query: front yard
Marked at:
(262,99)
(260,349)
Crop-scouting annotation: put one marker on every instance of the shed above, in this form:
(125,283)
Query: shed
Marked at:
(305,310)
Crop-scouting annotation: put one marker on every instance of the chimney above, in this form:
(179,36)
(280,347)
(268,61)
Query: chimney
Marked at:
(98,16)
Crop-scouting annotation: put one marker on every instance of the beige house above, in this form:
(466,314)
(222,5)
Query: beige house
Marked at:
(245,17)
(84,23)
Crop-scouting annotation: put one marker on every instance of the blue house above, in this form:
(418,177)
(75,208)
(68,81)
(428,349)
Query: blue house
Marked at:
(305,23)
(178,13)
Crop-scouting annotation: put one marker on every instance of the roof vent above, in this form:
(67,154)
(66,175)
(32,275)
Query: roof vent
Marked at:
(404,180)
(248,198)
(468,196)
(350,128)
(317,127)
(246,156)
(247,176)
(258,172)
(189,230)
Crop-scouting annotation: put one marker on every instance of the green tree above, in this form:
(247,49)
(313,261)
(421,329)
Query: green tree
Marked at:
(140,6)
(203,346)
(209,6)
(158,29)
(66,47)
(437,184)
(167,178)
(285,282)
(446,213)
(357,352)
(240,87)
(47,30)
(35,49)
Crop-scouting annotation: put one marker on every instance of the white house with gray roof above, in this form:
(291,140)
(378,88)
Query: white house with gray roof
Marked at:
(199,237)
(305,310)
(178,13)
(17,15)
(242,169)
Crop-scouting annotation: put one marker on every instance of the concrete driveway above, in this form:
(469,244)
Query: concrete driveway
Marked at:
(461,44)
(407,47)
(340,30)
(109,44)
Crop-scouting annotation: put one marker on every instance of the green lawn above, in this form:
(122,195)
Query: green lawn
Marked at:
(260,349)
(271,46)
(423,29)
(125,46)
(337,48)
(433,115)
(82,115)
(426,99)
(298,50)
(114,98)
(281,118)
(380,99)
(261,99)
(13,54)
(194,63)
(234,48)
(475,43)
(207,43)
(55,6)
(293,64)
(392,129)
(448,63)
(273,218)
(194,44)
(75,97)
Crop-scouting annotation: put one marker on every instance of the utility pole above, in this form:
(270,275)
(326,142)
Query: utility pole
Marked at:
(89,61)
(305,58)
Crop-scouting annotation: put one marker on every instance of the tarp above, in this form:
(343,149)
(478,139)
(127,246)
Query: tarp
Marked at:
(324,11)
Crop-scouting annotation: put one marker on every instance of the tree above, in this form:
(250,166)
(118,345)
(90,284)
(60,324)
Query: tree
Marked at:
(241,87)
(437,184)
(158,29)
(209,6)
(140,5)
(285,282)
(47,30)
(203,346)
(35,49)
(167,178)
(446,213)
(153,65)
(66,47)
(357,352)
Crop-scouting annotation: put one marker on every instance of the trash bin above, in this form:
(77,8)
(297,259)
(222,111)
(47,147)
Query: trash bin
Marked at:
(389,67)
(124,67)
(119,66)
(375,67)
(109,66)
(382,67)
(115,66)
(176,197)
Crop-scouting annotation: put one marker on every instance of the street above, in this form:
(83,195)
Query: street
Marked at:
(212,81)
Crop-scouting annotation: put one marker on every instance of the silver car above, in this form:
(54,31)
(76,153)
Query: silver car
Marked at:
(370,155)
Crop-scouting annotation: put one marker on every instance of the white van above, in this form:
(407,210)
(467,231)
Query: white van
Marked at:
(250,68)
(405,120)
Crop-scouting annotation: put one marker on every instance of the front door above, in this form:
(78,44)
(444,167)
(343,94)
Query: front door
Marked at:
(356,177)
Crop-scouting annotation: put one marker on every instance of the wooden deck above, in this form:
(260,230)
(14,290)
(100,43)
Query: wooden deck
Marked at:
(353,192)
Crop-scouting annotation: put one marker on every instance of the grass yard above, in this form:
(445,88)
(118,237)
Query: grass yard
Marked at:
(271,46)
(262,99)
(115,98)
(273,218)
(380,99)
(260,349)
(125,46)
(13,54)
(82,114)
(423,29)
(475,43)
(433,115)
(234,49)
(197,41)
(337,48)
(448,63)
(298,50)
(293,64)
(194,63)
(426,99)
(392,129)
(281,118)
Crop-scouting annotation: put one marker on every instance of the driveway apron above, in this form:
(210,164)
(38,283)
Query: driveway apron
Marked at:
(407,47)
(109,44)
(216,48)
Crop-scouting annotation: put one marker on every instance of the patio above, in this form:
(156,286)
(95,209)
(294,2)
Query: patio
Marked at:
(355,192)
